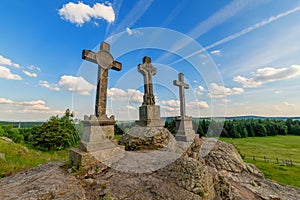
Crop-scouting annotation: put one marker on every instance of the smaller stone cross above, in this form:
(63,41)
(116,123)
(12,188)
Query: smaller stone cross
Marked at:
(147,70)
(180,83)
(105,62)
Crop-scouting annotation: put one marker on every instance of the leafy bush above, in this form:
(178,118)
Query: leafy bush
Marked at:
(56,134)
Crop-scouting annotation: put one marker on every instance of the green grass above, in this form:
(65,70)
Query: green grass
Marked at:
(18,157)
(281,147)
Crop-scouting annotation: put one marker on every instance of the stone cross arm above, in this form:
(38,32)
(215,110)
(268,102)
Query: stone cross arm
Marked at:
(91,56)
(181,82)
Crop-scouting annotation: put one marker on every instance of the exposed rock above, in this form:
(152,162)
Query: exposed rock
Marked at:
(217,173)
(148,138)
(6,139)
(48,181)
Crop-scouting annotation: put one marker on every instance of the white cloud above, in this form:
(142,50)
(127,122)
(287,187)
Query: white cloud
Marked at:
(133,32)
(129,31)
(170,104)
(5,101)
(278,91)
(29,74)
(6,74)
(268,74)
(34,106)
(31,67)
(247,82)
(219,91)
(199,90)
(129,95)
(130,107)
(76,84)
(46,84)
(216,52)
(197,105)
(80,13)
(6,61)
(288,104)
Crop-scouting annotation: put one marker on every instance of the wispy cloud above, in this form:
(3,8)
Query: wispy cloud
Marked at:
(134,14)
(7,74)
(268,74)
(222,15)
(27,73)
(241,33)
(288,104)
(46,84)
(216,52)
(80,13)
(131,32)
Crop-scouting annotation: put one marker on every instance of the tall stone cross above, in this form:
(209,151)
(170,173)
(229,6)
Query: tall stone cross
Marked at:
(105,62)
(180,83)
(147,70)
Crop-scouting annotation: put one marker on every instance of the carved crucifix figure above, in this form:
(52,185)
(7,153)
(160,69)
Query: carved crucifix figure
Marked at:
(180,83)
(105,62)
(147,70)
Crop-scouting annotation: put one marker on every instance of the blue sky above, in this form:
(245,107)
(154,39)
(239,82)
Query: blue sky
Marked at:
(239,57)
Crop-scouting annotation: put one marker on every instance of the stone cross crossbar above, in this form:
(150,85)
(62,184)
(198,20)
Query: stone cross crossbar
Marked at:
(105,62)
(182,85)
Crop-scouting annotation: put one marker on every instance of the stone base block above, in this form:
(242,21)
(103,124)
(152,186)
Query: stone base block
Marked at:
(82,159)
(107,156)
(150,116)
(184,129)
(95,146)
(187,136)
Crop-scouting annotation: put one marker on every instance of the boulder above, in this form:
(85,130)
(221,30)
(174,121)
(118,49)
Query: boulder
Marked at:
(151,138)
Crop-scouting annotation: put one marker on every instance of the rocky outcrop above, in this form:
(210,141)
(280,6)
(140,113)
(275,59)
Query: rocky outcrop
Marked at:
(48,181)
(153,138)
(209,169)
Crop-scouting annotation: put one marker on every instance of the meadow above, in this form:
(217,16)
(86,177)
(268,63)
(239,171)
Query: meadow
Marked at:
(19,157)
(266,151)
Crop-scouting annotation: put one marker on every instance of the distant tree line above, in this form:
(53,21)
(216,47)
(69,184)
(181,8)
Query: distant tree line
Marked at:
(242,128)
(55,134)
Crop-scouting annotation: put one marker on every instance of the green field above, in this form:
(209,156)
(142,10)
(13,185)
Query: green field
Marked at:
(18,157)
(272,147)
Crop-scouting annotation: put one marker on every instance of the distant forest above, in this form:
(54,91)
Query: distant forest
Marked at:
(242,128)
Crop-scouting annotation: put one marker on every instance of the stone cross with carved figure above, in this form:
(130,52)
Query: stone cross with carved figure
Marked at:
(182,85)
(105,62)
(147,70)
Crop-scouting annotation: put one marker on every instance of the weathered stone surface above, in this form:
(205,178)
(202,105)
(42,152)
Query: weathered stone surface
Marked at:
(48,181)
(147,70)
(184,124)
(184,127)
(150,116)
(105,62)
(185,178)
(6,139)
(147,138)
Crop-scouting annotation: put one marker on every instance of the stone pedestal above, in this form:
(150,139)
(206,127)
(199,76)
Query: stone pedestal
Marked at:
(184,127)
(95,145)
(150,116)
